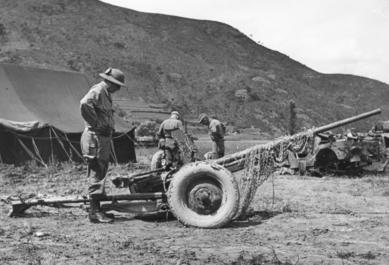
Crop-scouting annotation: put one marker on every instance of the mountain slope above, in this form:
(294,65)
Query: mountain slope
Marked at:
(187,64)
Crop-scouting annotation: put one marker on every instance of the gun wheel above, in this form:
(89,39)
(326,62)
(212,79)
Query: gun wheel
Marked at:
(156,160)
(203,195)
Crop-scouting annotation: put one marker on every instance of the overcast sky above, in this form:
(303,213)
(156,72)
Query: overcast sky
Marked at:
(330,36)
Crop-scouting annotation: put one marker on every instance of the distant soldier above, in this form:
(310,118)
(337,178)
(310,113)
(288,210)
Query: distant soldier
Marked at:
(97,111)
(166,140)
(216,132)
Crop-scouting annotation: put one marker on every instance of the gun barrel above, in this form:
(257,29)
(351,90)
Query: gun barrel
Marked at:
(346,121)
(236,160)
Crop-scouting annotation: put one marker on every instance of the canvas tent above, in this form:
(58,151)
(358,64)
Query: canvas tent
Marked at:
(40,117)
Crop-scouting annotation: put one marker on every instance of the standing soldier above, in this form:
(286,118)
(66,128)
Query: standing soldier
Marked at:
(216,132)
(97,111)
(166,140)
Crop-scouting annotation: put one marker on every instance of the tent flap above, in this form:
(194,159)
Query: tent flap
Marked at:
(26,126)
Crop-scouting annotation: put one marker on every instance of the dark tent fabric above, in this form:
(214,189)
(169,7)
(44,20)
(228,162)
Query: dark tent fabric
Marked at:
(40,117)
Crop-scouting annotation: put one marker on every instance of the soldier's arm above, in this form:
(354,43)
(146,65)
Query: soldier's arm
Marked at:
(181,126)
(212,131)
(88,111)
(220,130)
(216,131)
(160,133)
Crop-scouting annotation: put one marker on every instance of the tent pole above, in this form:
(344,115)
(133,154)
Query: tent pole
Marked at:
(62,145)
(132,140)
(51,146)
(114,153)
(29,152)
(133,143)
(74,149)
(37,151)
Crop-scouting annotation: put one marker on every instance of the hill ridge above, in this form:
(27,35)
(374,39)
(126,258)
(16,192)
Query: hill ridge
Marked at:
(186,64)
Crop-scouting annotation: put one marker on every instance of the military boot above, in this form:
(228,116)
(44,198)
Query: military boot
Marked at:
(95,215)
(100,217)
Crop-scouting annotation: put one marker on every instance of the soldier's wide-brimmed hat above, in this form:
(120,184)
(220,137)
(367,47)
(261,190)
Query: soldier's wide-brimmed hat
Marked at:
(202,117)
(114,75)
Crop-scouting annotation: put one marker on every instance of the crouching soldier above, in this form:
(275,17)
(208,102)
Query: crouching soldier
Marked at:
(216,132)
(166,140)
(97,111)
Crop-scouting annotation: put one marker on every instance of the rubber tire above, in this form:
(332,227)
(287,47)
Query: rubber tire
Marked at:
(326,161)
(156,160)
(186,176)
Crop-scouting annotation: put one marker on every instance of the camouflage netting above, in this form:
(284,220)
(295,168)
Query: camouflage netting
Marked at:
(259,163)
(186,145)
(262,161)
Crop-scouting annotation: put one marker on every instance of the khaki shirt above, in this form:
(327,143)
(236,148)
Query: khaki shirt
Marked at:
(216,130)
(97,109)
(167,126)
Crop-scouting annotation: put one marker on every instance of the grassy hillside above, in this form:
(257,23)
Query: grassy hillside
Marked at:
(186,64)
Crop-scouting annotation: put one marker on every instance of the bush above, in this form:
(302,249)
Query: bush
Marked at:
(147,128)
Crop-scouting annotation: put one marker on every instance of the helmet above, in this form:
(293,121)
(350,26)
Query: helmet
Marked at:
(202,117)
(113,75)
(175,113)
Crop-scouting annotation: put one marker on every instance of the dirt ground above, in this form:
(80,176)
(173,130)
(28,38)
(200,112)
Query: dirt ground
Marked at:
(294,220)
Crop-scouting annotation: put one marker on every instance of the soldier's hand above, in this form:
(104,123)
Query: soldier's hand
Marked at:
(161,143)
(105,130)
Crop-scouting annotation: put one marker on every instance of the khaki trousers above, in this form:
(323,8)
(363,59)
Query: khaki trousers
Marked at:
(96,150)
(218,148)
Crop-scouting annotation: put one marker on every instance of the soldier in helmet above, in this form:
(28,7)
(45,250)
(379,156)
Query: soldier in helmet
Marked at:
(216,132)
(97,112)
(166,141)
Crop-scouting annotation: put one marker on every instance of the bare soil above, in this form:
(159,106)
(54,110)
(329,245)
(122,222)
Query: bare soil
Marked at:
(294,220)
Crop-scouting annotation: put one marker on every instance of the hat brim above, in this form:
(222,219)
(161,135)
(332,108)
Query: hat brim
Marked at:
(111,79)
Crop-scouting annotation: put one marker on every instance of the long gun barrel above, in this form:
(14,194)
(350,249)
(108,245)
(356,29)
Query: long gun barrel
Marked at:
(346,121)
(235,162)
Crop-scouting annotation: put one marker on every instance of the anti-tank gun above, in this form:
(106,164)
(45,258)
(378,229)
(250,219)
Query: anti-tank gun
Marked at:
(347,153)
(205,193)
(234,162)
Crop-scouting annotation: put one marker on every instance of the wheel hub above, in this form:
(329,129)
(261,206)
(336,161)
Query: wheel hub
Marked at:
(205,198)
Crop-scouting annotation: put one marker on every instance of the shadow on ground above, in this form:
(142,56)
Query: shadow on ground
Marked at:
(253,218)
